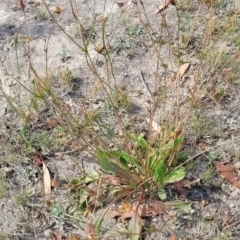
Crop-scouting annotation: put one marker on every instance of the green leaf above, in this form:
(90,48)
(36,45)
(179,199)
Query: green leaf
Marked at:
(132,184)
(112,192)
(178,141)
(180,156)
(74,181)
(100,154)
(135,227)
(94,175)
(162,194)
(84,197)
(57,210)
(160,172)
(151,229)
(168,146)
(175,175)
(151,162)
(126,159)
(104,163)
(122,154)
(123,162)
(147,185)
(141,141)
(179,55)
(165,66)
(178,204)
(133,137)
(98,225)
(110,133)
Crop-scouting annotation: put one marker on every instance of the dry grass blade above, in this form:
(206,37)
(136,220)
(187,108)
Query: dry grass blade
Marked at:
(164,5)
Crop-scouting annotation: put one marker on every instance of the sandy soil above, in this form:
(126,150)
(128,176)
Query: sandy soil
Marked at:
(37,220)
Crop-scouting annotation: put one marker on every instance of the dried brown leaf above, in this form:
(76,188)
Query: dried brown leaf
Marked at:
(100,48)
(52,122)
(126,207)
(26,39)
(88,211)
(113,179)
(37,160)
(89,230)
(182,69)
(67,108)
(189,184)
(156,127)
(120,4)
(144,210)
(54,183)
(173,238)
(56,236)
(181,190)
(164,5)
(228,174)
(21,5)
(58,10)
(46,180)
(74,237)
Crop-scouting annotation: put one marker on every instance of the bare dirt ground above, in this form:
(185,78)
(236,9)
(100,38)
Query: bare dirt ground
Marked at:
(25,213)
